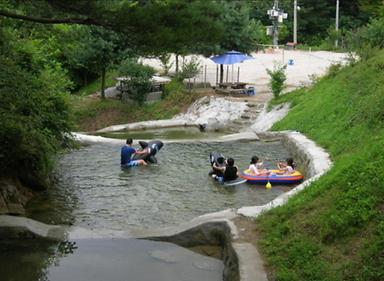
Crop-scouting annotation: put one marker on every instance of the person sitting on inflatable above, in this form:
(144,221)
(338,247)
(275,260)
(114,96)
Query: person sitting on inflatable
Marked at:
(287,167)
(230,171)
(217,161)
(256,167)
(219,167)
(126,154)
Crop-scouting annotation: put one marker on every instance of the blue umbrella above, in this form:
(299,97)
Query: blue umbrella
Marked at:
(231,57)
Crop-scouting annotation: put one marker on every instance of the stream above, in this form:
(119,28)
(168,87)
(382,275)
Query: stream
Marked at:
(92,191)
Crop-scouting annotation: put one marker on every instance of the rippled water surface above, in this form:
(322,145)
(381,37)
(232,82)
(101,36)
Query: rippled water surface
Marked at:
(93,191)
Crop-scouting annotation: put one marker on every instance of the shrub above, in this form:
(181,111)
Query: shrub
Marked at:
(139,83)
(174,86)
(367,40)
(165,60)
(278,78)
(189,69)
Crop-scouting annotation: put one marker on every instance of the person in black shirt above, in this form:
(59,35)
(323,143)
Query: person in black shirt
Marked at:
(230,172)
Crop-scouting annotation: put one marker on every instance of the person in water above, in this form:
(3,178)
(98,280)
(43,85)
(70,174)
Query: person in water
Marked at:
(219,167)
(287,167)
(229,171)
(126,154)
(256,167)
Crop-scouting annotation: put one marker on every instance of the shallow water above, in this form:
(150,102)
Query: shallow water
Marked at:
(103,259)
(167,133)
(92,190)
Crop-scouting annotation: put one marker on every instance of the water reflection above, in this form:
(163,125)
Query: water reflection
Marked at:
(102,259)
(167,133)
(94,192)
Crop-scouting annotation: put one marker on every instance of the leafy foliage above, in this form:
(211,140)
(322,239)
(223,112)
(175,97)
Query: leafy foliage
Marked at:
(165,60)
(368,39)
(34,113)
(189,69)
(139,82)
(278,78)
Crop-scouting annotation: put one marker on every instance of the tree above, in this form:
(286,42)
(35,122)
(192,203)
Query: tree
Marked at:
(34,115)
(151,26)
(94,49)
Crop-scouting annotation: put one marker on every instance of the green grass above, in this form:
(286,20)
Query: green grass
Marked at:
(95,86)
(334,230)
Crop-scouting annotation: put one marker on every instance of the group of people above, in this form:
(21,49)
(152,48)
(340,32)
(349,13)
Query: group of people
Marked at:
(225,170)
(222,170)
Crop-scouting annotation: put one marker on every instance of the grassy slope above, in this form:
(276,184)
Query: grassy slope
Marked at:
(334,230)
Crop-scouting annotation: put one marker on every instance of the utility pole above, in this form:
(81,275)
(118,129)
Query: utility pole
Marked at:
(337,24)
(276,16)
(275,33)
(295,22)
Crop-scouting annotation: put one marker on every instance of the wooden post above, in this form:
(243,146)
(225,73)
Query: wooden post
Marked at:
(221,73)
(238,74)
(177,63)
(103,83)
(205,75)
(232,80)
(227,74)
(217,74)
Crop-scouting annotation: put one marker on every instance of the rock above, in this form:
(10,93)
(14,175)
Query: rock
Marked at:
(13,196)
(15,209)
(245,116)
(3,205)
(111,92)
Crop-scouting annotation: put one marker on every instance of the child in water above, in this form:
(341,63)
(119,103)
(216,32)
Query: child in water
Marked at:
(287,167)
(256,167)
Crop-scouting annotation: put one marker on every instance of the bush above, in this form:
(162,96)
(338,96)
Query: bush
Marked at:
(139,83)
(166,63)
(278,78)
(367,40)
(174,86)
(189,69)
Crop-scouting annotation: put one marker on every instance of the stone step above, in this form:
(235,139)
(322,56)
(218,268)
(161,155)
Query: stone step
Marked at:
(241,122)
(246,116)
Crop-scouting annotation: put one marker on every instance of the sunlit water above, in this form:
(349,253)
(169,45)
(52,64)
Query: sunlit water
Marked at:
(92,190)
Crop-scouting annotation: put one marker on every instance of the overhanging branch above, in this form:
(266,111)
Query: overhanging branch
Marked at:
(86,21)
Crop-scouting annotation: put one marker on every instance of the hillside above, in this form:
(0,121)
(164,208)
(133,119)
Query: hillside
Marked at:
(334,230)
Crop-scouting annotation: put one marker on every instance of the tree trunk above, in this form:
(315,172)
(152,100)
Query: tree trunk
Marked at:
(221,73)
(177,63)
(103,83)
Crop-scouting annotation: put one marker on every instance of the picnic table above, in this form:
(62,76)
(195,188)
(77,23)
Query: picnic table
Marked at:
(236,85)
